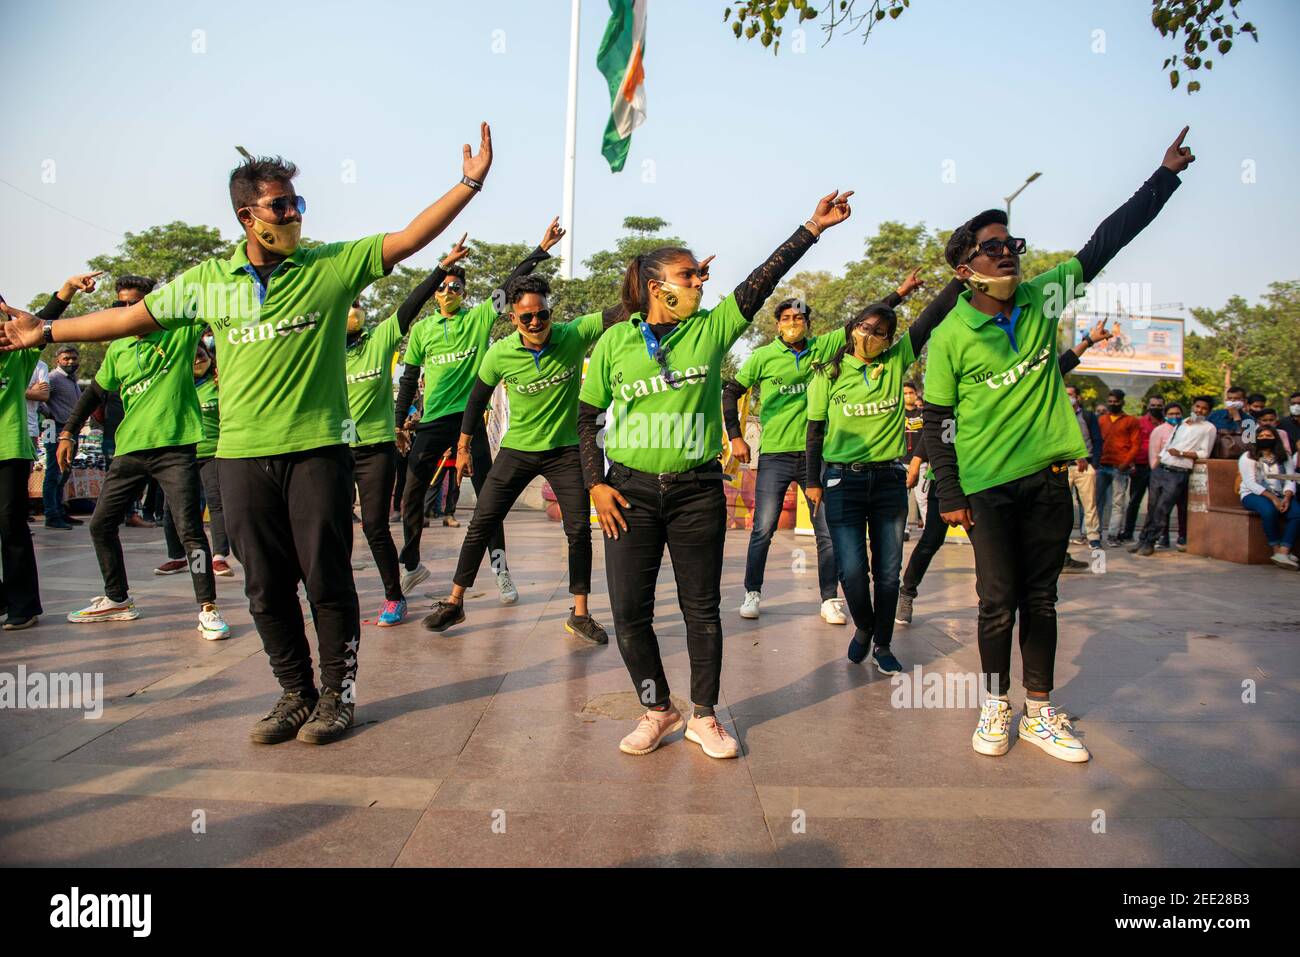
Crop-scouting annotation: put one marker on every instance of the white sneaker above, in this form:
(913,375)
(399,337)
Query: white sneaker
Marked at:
(212,626)
(833,611)
(506,584)
(992,734)
(749,607)
(103,609)
(412,578)
(1285,559)
(1051,731)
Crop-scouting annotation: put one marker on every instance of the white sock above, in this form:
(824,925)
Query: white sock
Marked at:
(1033,706)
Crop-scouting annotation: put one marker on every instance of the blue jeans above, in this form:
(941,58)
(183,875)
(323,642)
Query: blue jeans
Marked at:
(1280,528)
(775,473)
(52,487)
(873,500)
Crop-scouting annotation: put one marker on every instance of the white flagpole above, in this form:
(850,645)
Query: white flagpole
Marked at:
(570,147)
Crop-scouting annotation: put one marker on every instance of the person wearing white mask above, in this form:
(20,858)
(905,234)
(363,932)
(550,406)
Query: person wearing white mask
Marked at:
(1191,442)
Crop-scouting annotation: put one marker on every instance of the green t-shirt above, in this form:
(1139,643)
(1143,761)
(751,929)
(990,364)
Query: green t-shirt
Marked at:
(1012,415)
(450,350)
(370,382)
(155,376)
(542,387)
(210,410)
(283,378)
(15,372)
(863,406)
(782,377)
(655,427)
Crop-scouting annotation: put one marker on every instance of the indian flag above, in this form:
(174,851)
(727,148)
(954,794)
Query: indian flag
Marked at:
(620,59)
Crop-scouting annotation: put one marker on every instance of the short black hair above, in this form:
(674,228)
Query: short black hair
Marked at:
(1293,395)
(521,286)
(796,304)
(247,178)
(1208,400)
(1255,397)
(142,283)
(1234,388)
(909,384)
(1268,411)
(455,272)
(1175,404)
(1117,393)
(962,240)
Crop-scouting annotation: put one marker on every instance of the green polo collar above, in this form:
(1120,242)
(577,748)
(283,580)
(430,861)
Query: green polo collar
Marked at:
(974,318)
(239,258)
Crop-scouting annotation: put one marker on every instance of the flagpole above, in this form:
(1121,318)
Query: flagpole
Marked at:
(570,147)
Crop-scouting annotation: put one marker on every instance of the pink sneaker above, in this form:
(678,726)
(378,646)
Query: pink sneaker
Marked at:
(712,737)
(651,730)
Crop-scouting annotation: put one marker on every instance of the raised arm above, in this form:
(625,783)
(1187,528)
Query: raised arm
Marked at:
(435,218)
(933,313)
(1068,359)
(25,331)
(1121,226)
(831,210)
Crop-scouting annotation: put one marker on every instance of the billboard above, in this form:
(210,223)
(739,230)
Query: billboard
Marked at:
(1143,345)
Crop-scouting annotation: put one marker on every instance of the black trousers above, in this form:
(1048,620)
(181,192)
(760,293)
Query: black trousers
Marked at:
(19,589)
(1167,487)
(211,487)
(510,475)
(932,539)
(1020,535)
(426,452)
(176,472)
(376,471)
(1137,488)
(690,517)
(290,520)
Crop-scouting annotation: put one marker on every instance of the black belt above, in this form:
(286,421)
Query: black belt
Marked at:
(862,466)
(1171,468)
(708,472)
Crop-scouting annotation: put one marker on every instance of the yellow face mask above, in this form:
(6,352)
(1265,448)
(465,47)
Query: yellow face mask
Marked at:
(279,238)
(356,320)
(999,287)
(792,332)
(680,301)
(449,302)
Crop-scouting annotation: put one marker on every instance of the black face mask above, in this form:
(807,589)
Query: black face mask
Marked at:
(1156,411)
(1115,408)
(1266,445)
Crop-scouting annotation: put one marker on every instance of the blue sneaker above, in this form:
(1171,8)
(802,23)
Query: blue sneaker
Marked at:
(858,649)
(885,661)
(392,613)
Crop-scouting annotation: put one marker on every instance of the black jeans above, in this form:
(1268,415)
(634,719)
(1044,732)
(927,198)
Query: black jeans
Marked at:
(426,452)
(290,521)
(177,473)
(1167,486)
(19,588)
(511,473)
(1020,536)
(376,471)
(1137,487)
(690,517)
(932,539)
(211,488)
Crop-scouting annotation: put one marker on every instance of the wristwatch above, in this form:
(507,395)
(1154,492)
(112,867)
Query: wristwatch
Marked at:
(1088,339)
(474,184)
(47,331)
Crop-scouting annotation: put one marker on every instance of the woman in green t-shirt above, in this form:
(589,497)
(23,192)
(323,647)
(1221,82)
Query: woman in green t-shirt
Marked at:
(856,423)
(659,375)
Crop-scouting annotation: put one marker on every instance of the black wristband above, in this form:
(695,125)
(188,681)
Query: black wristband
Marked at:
(1088,339)
(473,184)
(47,331)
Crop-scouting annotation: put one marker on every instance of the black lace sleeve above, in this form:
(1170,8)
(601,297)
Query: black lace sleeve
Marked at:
(411,306)
(593,460)
(813,453)
(731,393)
(943,456)
(933,313)
(753,292)
(410,381)
(1123,225)
(92,397)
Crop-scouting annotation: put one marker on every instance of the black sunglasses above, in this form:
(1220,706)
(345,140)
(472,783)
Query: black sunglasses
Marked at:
(994,247)
(282,204)
(527,317)
(452,286)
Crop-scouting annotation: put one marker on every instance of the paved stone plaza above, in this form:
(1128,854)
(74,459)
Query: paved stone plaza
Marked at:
(493,743)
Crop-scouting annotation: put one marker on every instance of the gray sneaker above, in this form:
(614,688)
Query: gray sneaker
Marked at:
(284,719)
(330,721)
(903,615)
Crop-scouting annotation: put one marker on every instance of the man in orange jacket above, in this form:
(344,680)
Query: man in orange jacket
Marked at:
(1121,443)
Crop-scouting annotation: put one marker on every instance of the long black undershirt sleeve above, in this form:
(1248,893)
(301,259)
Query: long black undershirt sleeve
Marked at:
(1121,226)
(759,284)
(731,393)
(411,306)
(479,397)
(813,453)
(526,266)
(935,420)
(933,313)
(593,460)
(406,387)
(92,397)
(52,309)
(1067,360)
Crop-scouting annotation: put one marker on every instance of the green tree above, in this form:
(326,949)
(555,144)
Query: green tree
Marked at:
(1193,24)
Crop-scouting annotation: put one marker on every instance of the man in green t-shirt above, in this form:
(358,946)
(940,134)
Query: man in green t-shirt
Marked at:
(278,311)
(448,347)
(540,365)
(992,376)
(160,430)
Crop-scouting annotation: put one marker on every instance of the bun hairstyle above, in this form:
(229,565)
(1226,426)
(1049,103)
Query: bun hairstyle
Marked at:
(635,295)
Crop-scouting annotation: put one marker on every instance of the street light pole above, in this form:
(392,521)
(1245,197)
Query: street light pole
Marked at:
(1018,192)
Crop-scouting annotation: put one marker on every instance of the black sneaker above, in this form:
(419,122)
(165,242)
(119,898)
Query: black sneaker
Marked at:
(331,719)
(444,615)
(903,615)
(586,628)
(1074,566)
(20,624)
(283,721)
(1143,549)
(885,661)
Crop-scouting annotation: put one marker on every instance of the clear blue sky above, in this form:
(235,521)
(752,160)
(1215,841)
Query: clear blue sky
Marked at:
(141,128)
